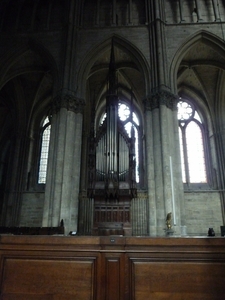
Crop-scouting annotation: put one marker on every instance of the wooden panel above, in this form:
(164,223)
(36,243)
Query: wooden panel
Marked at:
(112,279)
(111,268)
(111,217)
(114,271)
(178,280)
(72,279)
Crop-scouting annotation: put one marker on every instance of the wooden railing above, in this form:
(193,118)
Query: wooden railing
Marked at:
(111,268)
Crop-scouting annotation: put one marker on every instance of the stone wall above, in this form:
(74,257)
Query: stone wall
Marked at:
(32,209)
(203,210)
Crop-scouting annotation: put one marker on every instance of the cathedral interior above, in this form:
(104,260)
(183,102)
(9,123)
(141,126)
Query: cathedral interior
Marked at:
(112,140)
(112,115)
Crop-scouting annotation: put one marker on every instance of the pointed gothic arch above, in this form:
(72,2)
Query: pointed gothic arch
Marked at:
(96,51)
(28,75)
(209,39)
(197,75)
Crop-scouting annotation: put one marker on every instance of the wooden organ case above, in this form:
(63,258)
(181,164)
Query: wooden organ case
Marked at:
(112,182)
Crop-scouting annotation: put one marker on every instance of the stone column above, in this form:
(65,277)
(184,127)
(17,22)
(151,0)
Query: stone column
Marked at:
(164,181)
(97,13)
(177,172)
(130,11)
(14,182)
(158,53)
(181,11)
(114,12)
(163,161)
(220,151)
(63,173)
(198,10)
(150,169)
(216,11)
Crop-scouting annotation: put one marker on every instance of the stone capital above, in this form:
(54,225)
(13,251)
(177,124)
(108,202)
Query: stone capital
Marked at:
(68,101)
(161,97)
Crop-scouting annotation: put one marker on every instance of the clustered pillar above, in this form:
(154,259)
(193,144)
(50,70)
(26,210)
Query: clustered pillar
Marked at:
(62,184)
(163,167)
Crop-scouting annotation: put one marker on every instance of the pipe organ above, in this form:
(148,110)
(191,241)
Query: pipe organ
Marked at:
(112,182)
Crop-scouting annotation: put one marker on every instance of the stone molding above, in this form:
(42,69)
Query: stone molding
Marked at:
(70,102)
(161,98)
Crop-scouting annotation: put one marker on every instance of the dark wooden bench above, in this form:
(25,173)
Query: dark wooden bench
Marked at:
(32,230)
(23,230)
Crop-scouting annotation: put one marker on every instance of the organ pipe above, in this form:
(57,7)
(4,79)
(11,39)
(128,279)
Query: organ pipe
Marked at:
(114,149)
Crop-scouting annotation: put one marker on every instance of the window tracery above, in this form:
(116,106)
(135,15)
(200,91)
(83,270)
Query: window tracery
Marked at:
(192,146)
(46,131)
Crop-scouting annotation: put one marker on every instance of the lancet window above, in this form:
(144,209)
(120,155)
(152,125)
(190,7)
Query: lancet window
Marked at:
(45,139)
(192,143)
